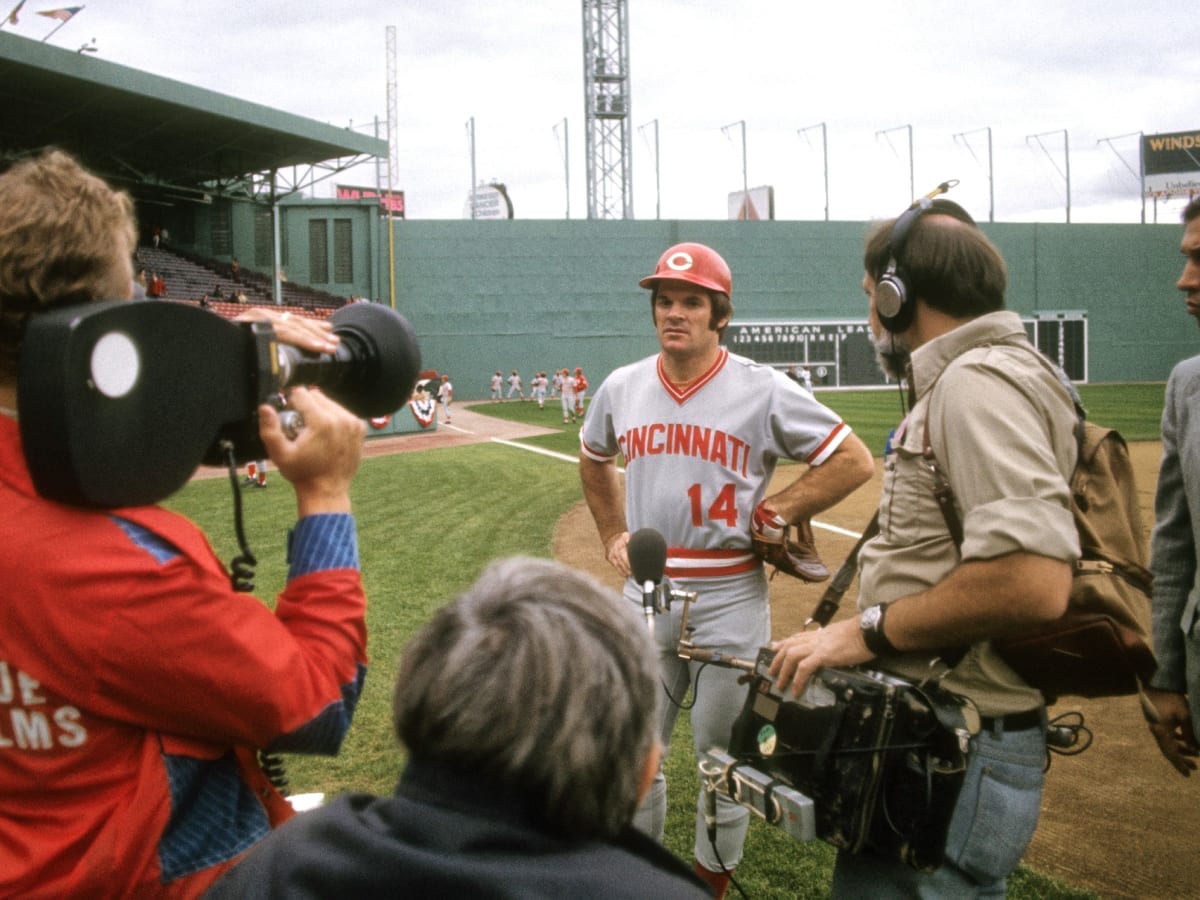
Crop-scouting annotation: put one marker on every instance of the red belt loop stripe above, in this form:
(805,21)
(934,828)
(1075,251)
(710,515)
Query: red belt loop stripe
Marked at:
(684,562)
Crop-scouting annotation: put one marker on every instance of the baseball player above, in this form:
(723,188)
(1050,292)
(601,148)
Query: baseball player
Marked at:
(537,389)
(498,386)
(445,393)
(568,396)
(700,430)
(581,386)
(515,385)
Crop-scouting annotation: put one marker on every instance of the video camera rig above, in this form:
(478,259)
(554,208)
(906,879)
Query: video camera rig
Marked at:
(861,759)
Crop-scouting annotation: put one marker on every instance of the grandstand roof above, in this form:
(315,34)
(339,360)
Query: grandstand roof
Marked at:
(132,126)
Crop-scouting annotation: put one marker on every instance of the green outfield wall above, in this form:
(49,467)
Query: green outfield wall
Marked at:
(541,295)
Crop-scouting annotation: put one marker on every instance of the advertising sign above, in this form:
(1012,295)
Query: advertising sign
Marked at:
(1171,163)
(389,201)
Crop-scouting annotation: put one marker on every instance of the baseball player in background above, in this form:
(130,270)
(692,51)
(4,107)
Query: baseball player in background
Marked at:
(568,396)
(498,386)
(515,385)
(700,430)
(581,386)
(537,389)
(445,393)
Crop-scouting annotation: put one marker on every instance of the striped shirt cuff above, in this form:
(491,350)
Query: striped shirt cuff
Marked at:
(323,542)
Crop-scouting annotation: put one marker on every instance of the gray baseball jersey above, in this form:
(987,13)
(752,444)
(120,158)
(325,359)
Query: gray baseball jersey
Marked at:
(697,462)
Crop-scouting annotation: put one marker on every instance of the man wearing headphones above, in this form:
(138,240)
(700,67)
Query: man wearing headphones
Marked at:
(930,603)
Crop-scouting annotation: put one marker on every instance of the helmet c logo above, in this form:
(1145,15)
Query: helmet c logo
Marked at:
(680,261)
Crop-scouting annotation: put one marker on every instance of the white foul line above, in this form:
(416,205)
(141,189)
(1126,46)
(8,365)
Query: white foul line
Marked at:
(554,454)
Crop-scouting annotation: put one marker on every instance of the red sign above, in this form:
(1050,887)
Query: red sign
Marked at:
(391,201)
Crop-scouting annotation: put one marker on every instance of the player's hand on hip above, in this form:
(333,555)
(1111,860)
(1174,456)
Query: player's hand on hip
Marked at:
(616,551)
(321,461)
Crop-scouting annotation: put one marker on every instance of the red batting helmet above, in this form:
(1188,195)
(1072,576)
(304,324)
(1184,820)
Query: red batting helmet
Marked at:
(694,263)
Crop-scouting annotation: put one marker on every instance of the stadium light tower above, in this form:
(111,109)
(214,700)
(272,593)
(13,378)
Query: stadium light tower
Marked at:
(606,106)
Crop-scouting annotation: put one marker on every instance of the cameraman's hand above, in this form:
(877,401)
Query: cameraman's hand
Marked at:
(1173,730)
(299,331)
(798,657)
(320,463)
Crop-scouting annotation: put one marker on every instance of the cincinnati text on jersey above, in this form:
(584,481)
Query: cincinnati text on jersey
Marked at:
(710,444)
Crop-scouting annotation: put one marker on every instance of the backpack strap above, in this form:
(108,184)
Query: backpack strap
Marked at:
(943,493)
(828,604)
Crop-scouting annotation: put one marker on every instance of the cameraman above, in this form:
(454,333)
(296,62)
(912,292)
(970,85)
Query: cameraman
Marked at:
(135,684)
(1008,460)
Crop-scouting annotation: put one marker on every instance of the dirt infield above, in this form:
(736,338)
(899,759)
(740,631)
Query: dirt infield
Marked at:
(1116,819)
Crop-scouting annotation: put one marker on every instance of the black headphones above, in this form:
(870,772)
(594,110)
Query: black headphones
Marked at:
(892,303)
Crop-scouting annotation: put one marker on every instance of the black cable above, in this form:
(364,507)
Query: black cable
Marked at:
(694,687)
(712,838)
(242,578)
(242,565)
(1066,735)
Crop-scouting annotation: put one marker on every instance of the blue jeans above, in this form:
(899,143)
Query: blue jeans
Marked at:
(993,822)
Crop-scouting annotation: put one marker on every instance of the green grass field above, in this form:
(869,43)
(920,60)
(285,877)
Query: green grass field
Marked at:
(428,523)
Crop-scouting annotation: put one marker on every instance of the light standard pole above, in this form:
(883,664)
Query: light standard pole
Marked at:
(912,188)
(471,148)
(1140,175)
(1066,159)
(963,135)
(657,183)
(745,183)
(824,158)
(566,161)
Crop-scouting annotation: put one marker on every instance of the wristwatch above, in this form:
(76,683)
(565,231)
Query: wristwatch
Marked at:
(870,623)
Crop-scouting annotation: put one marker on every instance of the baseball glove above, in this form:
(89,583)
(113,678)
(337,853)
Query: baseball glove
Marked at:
(770,540)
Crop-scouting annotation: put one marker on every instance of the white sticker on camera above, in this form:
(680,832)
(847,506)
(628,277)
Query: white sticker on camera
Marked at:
(116,364)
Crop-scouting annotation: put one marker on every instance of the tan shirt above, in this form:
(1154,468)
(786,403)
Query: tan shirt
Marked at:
(1002,427)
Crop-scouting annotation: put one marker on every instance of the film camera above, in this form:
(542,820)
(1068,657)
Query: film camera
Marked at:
(860,760)
(119,402)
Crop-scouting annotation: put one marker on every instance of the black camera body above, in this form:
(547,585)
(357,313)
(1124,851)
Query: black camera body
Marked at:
(119,402)
(881,759)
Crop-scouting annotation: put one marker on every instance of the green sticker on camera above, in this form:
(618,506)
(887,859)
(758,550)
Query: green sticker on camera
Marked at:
(766,740)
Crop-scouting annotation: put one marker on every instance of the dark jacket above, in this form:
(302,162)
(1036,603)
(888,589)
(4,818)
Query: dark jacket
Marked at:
(447,835)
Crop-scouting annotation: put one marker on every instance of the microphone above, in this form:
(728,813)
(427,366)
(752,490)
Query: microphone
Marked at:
(648,558)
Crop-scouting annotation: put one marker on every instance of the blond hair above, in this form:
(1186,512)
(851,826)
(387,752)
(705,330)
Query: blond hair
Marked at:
(65,237)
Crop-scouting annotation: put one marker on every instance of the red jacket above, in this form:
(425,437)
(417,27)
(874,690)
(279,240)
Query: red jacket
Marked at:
(134,680)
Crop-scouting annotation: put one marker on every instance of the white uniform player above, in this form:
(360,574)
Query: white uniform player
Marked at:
(581,386)
(700,430)
(568,396)
(537,389)
(445,393)
(497,386)
(515,386)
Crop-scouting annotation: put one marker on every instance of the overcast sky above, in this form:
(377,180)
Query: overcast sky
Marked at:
(1038,73)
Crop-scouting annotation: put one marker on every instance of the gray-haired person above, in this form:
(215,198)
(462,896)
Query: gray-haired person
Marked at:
(528,709)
